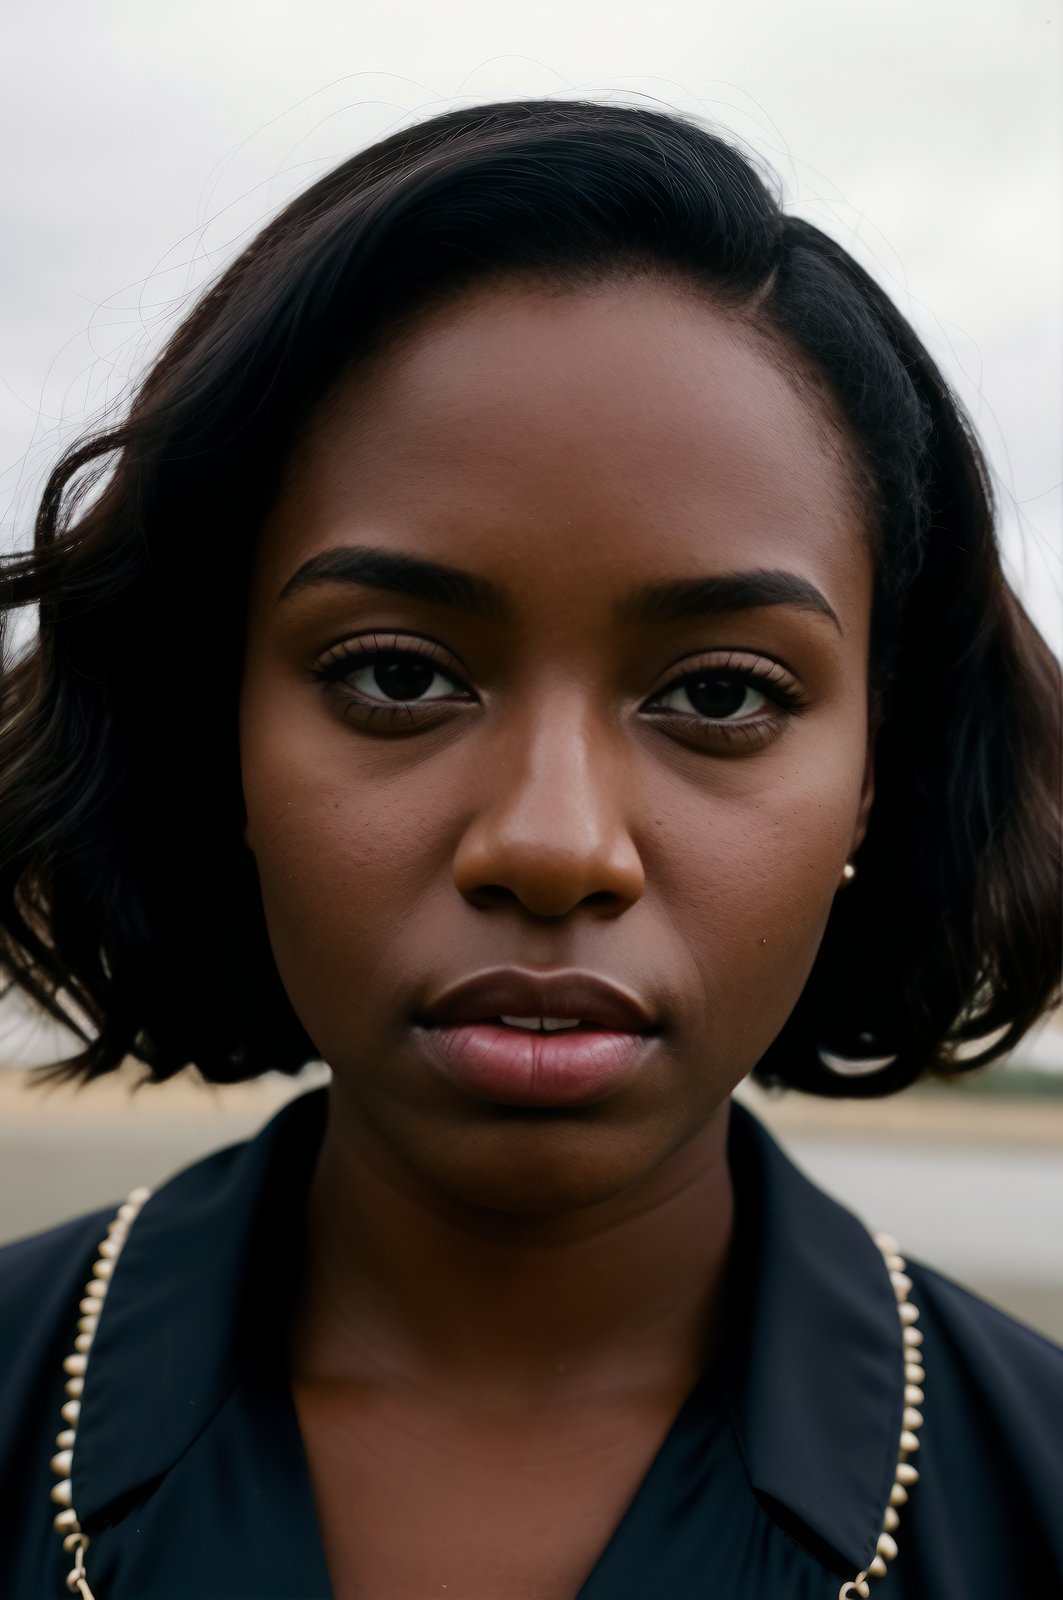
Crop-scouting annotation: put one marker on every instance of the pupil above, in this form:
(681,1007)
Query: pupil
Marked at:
(719,695)
(403,677)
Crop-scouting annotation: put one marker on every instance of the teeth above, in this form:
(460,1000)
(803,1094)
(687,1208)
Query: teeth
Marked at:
(540,1024)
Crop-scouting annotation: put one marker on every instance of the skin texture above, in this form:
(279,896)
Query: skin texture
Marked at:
(503,1309)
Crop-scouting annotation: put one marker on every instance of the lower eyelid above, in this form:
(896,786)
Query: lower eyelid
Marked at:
(723,738)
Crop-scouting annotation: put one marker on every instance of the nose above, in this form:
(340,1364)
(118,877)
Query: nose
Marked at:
(550,833)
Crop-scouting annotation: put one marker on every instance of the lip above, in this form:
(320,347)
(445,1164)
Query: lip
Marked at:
(461,1037)
(519,992)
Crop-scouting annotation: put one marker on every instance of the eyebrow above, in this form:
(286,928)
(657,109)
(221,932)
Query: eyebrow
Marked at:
(680,599)
(399,574)
(673,600)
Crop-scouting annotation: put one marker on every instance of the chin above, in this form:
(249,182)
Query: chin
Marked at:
(539,1164)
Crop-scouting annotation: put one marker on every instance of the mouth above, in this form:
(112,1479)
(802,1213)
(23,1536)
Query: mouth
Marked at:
(541,1001)
(517,1037)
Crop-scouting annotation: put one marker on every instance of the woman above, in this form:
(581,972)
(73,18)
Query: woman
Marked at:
(537,644)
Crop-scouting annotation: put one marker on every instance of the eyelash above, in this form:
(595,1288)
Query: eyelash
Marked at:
(345,657)
(767,677)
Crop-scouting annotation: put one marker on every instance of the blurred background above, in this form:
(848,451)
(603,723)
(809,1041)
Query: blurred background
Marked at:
(145,144)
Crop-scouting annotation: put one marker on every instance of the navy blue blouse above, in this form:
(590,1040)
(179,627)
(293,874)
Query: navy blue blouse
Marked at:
(191,1480)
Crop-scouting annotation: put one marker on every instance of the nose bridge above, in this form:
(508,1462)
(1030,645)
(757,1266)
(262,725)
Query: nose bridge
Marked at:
(553,826)
(563,773)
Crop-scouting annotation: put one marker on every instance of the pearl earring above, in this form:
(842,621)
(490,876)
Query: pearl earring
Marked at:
(848,872)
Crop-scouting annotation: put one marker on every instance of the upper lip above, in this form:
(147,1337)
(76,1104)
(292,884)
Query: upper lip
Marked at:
(516,992)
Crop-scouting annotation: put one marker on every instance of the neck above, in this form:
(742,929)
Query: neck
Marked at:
(416,1288)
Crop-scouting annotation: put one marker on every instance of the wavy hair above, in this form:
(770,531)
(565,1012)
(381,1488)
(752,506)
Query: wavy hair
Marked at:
(129,906)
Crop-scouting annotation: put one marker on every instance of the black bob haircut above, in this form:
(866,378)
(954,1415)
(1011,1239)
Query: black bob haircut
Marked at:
(128,900)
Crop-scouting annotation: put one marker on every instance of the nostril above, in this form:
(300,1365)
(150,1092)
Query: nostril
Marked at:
(496,896)
(487,895)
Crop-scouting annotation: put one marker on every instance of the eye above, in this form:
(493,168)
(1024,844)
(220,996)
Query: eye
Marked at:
(731,706)
(399,677)
(718,695)
(380,680)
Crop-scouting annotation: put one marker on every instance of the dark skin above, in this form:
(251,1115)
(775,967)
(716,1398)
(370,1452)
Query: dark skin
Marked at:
(502,1309)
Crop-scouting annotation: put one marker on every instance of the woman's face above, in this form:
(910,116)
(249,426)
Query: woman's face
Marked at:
(555,704)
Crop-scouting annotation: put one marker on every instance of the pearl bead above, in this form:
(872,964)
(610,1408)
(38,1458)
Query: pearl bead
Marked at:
(908,1315)
(90,1307)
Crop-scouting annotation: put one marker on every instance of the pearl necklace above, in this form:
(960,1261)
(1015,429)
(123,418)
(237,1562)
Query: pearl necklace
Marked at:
(905,1474)
(66,1523)
(75,1542)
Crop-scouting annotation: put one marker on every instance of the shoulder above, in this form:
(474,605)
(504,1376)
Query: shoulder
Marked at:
(41,1281)
(1004,1354)
(31,1266)
(993,1418)
(36,1273)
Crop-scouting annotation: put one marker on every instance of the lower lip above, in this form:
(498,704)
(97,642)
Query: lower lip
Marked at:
(509,1066)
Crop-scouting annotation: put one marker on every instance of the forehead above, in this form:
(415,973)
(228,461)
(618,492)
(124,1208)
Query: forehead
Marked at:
(622,432)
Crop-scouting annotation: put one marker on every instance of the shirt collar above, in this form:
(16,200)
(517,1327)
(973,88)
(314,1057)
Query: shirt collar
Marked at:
(178,1322)
(817,1369)
(818,1387)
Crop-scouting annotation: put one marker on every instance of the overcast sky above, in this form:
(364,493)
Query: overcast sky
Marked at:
(143,141)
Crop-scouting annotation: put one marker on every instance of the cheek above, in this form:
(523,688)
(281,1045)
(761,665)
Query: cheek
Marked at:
(345,859)
(747,874)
